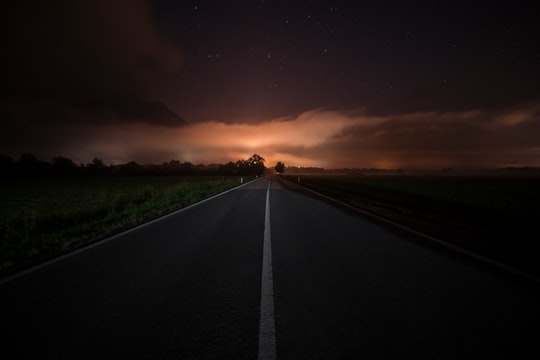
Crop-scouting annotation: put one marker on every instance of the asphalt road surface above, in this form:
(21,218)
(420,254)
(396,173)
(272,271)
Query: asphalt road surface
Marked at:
(337,286)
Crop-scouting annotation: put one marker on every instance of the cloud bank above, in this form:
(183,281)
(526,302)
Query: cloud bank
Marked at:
(324,138)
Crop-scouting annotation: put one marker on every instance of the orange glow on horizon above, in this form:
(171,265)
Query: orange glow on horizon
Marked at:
(333,139)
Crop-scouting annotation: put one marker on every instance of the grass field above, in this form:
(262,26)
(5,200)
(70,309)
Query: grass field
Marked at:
(43,218)
(493,215)
(511,194)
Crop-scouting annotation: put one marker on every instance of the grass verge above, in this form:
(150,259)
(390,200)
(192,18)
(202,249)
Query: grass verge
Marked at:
(44,218)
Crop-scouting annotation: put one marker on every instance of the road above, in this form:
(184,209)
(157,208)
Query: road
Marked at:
(342,287)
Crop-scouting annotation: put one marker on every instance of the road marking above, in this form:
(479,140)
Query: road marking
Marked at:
(103,241)
(267,329)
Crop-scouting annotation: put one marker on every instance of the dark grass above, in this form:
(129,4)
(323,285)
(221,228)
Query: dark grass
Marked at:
(496,216)
(44,218)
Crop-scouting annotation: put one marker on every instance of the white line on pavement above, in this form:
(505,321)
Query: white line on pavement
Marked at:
(267,330)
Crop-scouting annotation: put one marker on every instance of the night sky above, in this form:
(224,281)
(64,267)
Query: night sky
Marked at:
(325,83)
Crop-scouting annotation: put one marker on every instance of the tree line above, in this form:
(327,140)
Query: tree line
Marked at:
(28,165)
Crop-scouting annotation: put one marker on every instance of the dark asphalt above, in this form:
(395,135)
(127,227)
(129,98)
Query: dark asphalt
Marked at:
(188,287)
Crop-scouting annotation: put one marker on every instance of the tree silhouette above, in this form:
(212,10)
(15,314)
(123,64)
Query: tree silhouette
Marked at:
(96,168)
(131,169)
(29,165)
(64,166)
(256,164)
(7,165)
(280,167)
(229,168)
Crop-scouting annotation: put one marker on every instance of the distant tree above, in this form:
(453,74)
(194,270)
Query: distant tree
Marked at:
(96,168)
(242,166)
(256,164)
(7,165)
(63,166)
(152,170)
(171,168)
(188,168)
(228,169)
(280,167)
(29,165)
(98,163)
(131,169)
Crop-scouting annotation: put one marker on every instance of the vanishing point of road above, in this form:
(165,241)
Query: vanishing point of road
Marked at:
(265,271)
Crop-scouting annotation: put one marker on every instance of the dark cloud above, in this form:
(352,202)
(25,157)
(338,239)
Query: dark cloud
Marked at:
(79,50)
(70,63)
(475,138)
(54,127)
